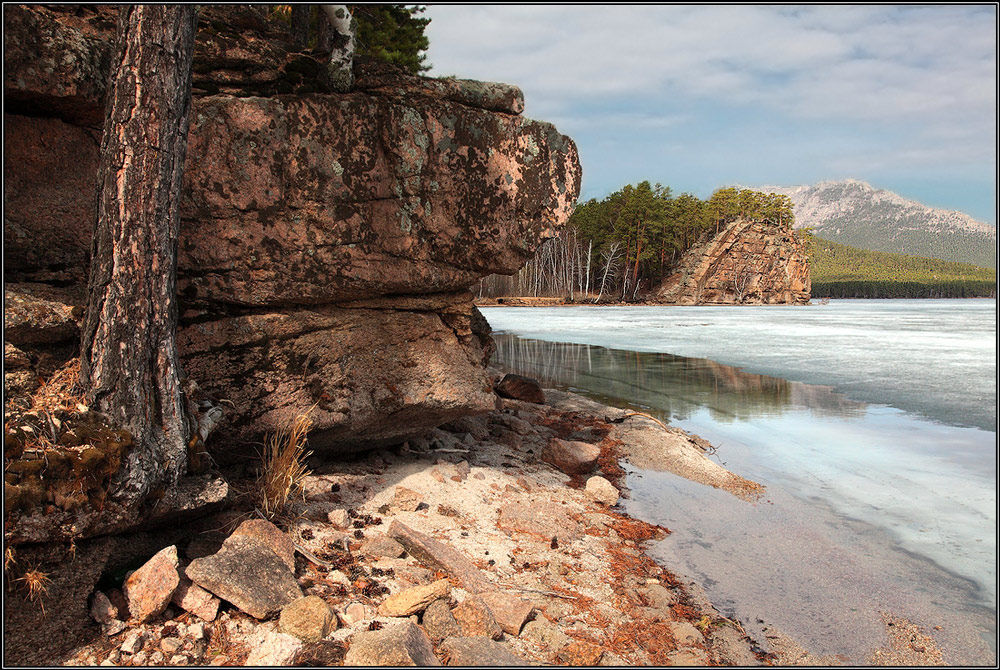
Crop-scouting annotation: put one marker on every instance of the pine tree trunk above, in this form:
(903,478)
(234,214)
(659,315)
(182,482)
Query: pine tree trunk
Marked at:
(300,24)
(129,363)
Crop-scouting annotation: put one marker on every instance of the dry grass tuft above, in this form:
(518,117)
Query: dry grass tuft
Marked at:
(284,467)
(37,583)
(61,391)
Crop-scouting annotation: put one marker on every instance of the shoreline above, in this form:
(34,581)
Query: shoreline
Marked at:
(562,302)
(479,486)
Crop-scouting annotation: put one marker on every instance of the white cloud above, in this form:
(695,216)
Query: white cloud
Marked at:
(867,63)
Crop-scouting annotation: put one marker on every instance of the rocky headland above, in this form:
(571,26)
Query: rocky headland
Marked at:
(746,263)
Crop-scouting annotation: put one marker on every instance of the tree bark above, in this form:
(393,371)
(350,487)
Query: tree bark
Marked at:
(300,24)
(128,355)
(339,72)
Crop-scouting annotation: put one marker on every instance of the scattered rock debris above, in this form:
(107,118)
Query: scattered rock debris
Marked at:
(461,561)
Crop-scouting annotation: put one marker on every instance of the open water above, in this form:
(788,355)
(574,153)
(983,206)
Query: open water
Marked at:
(871,423)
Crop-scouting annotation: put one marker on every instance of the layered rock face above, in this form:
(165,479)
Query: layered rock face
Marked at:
(747,263)
(327,241)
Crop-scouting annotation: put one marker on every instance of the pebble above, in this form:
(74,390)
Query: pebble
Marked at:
(169,645)
(197,631)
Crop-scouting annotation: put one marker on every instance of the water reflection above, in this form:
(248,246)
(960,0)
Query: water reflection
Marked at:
(673,387)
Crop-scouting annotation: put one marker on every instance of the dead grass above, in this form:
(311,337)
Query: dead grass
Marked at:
(652,636)
(37,583)
(284,467)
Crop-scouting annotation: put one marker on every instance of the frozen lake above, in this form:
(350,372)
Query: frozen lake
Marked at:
(872,423)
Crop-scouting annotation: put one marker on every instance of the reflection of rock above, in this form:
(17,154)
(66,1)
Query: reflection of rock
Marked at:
(674,384)
(746,263)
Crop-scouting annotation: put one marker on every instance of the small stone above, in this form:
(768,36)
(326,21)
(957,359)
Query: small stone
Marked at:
(168,614)
(150,588)
(415,599)
(275,649)
(178,659)
(339,519)
(518,387)
(439,622)
(196,600)
(139,659)
(156,657)
(478,475)
(113,627)
(101,609)
(509,611)
(197,631)
(221,659)
(406,500)
(462,469)
(170,645)
(479,651)
(686,634)
(447,510)
(356,612)
(108,661)
(380,546)
(475,619)
(658,596)
(133,642)
(601,490)
(309,619)
(573,458)
(397,644)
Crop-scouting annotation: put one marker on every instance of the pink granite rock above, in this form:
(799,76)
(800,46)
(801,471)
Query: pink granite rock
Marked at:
(196,600)
(150,588)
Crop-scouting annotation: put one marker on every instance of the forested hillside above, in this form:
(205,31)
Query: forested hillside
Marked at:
(840,271)
(624,245)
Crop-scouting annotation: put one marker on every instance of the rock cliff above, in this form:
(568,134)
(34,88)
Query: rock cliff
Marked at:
(747,263)
(327,240)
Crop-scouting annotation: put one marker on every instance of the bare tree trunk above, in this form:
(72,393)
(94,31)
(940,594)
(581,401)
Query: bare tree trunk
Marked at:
(128,354)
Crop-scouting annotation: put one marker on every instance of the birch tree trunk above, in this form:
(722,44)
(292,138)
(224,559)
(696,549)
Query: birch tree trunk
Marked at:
(340,73)
(128,354)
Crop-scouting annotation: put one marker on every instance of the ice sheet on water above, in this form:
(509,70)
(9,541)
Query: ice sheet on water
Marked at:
(936,358)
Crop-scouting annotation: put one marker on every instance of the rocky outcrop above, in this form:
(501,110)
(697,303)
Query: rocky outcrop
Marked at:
(747,263)
(327,240)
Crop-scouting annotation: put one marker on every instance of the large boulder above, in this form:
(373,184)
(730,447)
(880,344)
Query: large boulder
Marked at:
(327,242)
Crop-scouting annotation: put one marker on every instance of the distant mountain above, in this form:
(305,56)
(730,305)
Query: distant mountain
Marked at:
(855,213)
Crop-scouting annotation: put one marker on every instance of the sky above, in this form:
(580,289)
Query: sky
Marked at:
(700,97)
